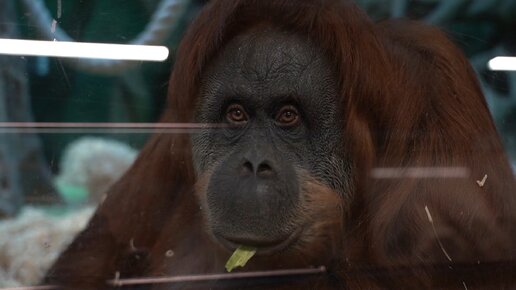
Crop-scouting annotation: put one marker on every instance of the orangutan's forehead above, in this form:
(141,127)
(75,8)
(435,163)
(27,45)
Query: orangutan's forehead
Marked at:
(270,53)
(269,62)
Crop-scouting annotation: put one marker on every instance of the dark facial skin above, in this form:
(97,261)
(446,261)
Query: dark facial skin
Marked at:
(276,92)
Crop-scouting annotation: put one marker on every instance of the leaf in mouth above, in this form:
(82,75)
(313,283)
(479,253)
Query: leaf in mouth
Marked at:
(240,257)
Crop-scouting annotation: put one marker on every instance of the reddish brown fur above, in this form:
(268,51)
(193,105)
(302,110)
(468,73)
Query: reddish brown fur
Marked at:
(410,99)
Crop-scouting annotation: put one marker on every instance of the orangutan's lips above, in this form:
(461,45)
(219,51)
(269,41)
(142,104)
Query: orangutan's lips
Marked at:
(261,247)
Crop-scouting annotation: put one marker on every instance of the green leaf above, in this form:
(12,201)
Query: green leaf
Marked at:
(240,257)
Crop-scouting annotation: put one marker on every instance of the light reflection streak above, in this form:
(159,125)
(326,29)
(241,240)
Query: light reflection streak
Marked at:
(46,287)
(420,172)
(83,50)
(502,63)
(136,128)
(215,277)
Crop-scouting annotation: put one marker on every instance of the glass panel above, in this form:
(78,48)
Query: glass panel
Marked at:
(190,144)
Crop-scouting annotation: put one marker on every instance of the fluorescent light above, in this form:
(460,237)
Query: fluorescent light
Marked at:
(502,63)
(83,50)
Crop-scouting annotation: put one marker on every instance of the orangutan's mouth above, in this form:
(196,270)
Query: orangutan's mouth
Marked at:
(262,248)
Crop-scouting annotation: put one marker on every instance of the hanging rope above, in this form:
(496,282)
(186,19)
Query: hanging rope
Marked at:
(162,23)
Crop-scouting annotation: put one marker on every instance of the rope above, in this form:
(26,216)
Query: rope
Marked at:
(162,23)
